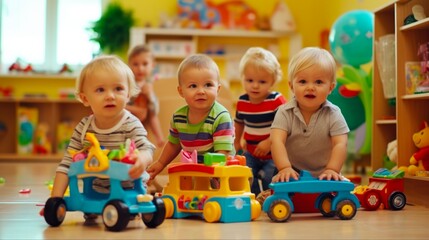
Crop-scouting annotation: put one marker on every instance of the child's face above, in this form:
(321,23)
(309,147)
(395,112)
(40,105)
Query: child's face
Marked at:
(257,83)
(106,93)
(142,66)
(199,88)
(311,87)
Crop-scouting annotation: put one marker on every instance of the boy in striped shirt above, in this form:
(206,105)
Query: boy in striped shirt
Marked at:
(256,109)
(203,124)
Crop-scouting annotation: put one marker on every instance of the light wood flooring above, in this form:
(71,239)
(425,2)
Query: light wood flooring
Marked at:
(19,218)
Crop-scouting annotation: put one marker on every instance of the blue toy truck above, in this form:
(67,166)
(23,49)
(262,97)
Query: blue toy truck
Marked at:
(116,204)
(335,197)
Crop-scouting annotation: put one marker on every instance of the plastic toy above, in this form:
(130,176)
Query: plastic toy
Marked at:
(281,18)
(25,191)
(237,14)
(117,205)
(27,122)
(335,198)
(42,143)
(385,187)
(420,160)
(190,191)
(198,14)
(6,91)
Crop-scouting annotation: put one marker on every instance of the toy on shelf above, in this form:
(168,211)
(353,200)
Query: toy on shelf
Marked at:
(197,14)
(27,122)
(237,14)
(419,161)
(6,91)
(65,69)
(42,143)
(117,205)
(190,191)
(281,18)
(390,161)
(385,187)
(64,132)
(17,67)
(334,199)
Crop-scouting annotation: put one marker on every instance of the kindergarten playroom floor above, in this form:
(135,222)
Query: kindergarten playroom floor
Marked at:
(19,218)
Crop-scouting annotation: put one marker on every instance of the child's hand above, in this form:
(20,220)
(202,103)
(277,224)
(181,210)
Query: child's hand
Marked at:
(262,149)
(330,174)
(138,168)
(155,169)
(285,174)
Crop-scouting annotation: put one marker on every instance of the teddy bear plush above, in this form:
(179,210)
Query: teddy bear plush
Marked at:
(419,161)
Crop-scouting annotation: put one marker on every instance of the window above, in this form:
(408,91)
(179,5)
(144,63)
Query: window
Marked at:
(47,33)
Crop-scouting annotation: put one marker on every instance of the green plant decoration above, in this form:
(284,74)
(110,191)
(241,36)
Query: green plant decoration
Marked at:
(112,30)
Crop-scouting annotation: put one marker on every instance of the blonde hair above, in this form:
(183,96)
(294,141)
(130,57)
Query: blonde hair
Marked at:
(111,64)
(311,56)
(199,61)
(136,50)
(261,59)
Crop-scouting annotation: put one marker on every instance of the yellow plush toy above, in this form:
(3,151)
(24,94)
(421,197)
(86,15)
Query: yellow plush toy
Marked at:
(419,161)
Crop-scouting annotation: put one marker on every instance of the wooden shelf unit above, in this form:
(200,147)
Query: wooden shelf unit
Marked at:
(232,43)
(50,111)
(410,110)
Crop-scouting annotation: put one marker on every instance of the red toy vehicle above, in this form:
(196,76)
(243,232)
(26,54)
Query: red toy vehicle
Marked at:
(385,188)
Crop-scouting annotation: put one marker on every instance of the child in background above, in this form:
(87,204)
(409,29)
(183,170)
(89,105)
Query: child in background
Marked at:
(145,106)
(106,85)
(203,124)
(309,132)
(260,71)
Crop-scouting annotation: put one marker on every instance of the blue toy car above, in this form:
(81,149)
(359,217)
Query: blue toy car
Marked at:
(116,204)
(335,197)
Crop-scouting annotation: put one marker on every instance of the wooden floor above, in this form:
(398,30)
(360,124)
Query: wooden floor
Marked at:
(19,218)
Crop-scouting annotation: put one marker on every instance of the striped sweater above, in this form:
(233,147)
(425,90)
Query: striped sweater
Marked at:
(215,133)
(257,118)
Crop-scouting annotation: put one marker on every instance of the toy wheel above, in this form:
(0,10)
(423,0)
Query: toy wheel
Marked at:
(169,207)
(346,209)
(255,209)
(372,200)
(279,211)
(153,220)
(325,205)
(212,212)
(116,216)
(397,201)
(55,211)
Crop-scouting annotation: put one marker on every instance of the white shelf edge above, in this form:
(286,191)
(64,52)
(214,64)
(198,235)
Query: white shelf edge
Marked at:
(213,33)
(421,24)
(416,96)
(386,122)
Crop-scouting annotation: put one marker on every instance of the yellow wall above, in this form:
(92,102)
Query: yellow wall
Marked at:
(311,17)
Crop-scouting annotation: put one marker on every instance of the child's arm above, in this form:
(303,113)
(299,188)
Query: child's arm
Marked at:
(263,148)
(280,157)
(61,182)
(156,128)
(239,128)
(338,156)
(169,152)
(142,161)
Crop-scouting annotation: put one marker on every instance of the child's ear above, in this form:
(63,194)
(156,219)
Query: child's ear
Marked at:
(290,85)
(179,90)
(84,99)
(331,88)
